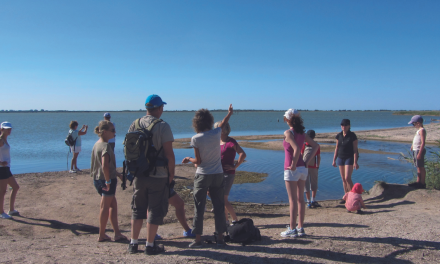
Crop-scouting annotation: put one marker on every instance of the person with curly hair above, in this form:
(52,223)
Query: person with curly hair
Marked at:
(295,170)
(209,174)
(76,149)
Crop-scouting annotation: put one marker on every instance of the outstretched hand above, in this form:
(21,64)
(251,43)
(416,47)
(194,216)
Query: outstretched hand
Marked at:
(231,109)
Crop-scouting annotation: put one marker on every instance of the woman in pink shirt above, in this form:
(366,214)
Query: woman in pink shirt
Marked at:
(229,148)
(295,170)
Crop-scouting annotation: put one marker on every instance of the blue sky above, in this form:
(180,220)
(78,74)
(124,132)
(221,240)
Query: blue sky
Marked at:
(110,55)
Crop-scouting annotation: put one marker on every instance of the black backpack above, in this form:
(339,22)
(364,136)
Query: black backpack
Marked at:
(243,232)
(141,157)
(69,140)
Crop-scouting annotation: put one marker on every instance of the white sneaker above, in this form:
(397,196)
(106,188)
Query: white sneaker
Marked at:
(72,171)
(289,232)
(13,212)
(301,232)
(5,216)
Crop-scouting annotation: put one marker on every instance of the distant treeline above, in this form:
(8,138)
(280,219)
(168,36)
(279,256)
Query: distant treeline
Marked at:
(422,113)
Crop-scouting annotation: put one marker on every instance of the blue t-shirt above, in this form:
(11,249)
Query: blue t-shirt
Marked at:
(76,136)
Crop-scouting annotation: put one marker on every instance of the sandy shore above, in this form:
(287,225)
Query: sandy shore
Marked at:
(59,224)
(327,140)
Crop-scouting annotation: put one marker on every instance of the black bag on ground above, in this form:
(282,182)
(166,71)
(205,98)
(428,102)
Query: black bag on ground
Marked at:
(141,157)
(243,232)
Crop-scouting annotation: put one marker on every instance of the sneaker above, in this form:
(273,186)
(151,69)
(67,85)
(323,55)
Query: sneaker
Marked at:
(421,186)
(78,170)
(309,205)
(154,250)
(195,244)
(234,222)
(315,204)
(5,216)
(413,184)
(133,248)
(188,233)
(72,171)
(13,212)
(157,237)
(221,243)
(301,232)
(289,232)
(359,212)
(342,201)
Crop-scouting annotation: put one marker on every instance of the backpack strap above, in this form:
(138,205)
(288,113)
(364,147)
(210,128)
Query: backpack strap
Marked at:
(150,127)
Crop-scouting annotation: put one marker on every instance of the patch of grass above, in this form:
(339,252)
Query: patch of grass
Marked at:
(249,177)
(427,113)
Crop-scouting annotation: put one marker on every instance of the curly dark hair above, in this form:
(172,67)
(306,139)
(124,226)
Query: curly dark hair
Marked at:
(203,120)
(297,123)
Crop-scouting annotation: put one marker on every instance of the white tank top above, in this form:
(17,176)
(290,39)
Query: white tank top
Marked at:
(5,154)
(417,141)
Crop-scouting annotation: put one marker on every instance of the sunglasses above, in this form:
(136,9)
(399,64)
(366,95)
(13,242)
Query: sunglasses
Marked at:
(113,130)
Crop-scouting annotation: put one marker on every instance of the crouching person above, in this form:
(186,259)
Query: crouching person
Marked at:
(151,192)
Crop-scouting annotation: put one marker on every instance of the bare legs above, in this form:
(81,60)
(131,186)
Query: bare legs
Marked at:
(109,207)
(229,209)
(179,205)
(297,207)
(13,183)
(421,174)
(73,163)
(3,186)
(346,172)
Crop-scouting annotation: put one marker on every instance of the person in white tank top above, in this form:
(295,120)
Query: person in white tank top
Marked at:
(5,173)
(418,149)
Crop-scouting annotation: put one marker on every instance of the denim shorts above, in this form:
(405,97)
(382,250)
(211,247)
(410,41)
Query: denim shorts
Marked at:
(99,184)
(5,173)
(343,162)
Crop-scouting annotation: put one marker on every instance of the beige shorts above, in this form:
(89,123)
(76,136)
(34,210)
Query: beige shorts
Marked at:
(299,174)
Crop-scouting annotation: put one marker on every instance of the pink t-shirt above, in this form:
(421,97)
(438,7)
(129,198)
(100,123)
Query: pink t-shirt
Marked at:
(352,201)
(228,154)
(288,150)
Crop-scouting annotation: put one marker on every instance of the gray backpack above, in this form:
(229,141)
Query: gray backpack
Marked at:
(307,153)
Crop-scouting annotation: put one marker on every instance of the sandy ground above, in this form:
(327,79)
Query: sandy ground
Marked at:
(59,224)
(327,140)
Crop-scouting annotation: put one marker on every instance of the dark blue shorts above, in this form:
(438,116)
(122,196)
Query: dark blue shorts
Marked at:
(5,173)
(99,184)
(343,162)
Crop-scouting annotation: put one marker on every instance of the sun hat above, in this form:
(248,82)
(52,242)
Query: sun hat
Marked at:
(415,119)
(357,188)
(6,125)
(155,100)
(345,122)
(290,113)
(107,114)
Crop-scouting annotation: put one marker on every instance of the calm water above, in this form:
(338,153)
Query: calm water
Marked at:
(37,145)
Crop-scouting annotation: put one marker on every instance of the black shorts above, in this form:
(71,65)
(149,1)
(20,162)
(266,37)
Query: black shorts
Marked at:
(99,184)
(5,173)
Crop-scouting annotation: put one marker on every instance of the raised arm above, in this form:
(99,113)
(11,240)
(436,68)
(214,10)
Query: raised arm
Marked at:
(226,119)
(169,154)
(80,132)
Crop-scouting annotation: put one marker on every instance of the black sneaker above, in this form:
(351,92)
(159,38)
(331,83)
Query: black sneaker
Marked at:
(154,250)
(413,184)
(342,201)
(133,248)
(315,204)
(421,186)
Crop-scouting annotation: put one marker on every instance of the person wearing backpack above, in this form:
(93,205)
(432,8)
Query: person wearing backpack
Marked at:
(76,149)
(209,174)
(312,171)
(151,191)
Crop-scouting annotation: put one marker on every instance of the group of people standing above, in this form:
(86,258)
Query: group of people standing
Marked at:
(214,157)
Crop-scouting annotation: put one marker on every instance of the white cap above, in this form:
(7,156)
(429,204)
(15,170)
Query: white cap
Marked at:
(6,125)
(290,113)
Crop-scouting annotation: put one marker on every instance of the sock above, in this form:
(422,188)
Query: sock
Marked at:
(313,199)
(150,244)
(133,241)
(308,201)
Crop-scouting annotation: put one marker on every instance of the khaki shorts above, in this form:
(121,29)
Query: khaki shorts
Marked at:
(150,194)
(312,180)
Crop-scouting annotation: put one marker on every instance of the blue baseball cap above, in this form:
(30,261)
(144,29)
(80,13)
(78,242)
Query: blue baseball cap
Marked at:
(107,115)
(6,125)
(415,119)
(155,100)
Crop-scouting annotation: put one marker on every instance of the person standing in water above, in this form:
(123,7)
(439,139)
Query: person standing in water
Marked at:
(5,173)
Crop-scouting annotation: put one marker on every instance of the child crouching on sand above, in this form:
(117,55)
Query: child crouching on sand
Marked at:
(353,199)
(103,171)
